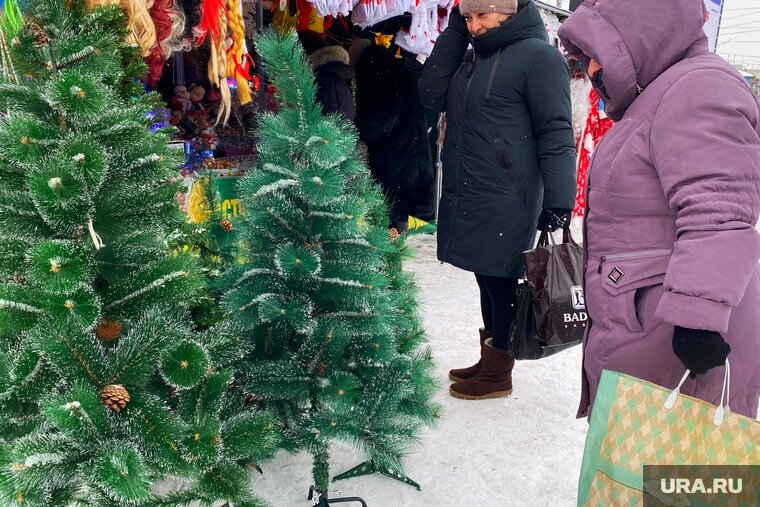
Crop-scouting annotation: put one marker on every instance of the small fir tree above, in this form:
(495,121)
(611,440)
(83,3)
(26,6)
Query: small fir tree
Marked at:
(105,387)
(339,346)
(207,234)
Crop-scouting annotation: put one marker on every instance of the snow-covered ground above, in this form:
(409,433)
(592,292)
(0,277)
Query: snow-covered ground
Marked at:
(523,451)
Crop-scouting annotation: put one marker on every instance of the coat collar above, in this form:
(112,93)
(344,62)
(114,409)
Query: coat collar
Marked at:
(526,24)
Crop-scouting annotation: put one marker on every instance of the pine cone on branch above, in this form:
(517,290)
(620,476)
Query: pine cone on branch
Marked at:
(108,330)
(38,34)
(114,396)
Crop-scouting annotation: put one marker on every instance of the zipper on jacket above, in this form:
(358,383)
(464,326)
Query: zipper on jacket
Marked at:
(469,70)
(645,254)
(489,86)
(642,254)
(602,260)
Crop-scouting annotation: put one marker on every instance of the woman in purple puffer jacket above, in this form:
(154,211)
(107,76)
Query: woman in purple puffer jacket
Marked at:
(672,277)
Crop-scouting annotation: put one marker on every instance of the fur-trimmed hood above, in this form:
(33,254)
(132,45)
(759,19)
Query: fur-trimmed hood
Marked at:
(328,54)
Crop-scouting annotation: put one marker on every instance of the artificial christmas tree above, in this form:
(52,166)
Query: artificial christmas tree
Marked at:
(105,386)
(339,346)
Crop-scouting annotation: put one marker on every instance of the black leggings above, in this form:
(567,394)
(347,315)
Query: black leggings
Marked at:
(498,297)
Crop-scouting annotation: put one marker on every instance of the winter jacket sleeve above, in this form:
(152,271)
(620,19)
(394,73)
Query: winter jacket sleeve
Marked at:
(706,150)
(548,99)
(440,68)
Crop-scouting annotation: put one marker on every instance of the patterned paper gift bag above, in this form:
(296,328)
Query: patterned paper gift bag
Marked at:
(636,423)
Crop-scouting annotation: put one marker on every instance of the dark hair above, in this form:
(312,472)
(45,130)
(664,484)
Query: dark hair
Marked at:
(311,41)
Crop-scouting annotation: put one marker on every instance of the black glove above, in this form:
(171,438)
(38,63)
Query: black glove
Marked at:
(699,350)
(457,22)
(554,218)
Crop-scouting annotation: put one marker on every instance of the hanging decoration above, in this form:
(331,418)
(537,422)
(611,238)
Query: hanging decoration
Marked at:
(169,25)
(308,17)
(143,31)
(370,12)
(214,25)
(597,124)
(383,40)
(211,11)
(238,59)
(217,69)
(429,19)
(335,7)
(580,86)
(156,26)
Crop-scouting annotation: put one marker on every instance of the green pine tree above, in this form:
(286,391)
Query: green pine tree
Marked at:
(339,346)
(106,388)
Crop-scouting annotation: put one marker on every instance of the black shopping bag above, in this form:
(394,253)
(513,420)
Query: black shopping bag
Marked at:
(551,310)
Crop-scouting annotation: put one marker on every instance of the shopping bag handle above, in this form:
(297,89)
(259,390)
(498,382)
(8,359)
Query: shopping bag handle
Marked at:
(546,237)
(725,395)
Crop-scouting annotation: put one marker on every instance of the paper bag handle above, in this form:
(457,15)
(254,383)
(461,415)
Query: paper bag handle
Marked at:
(725,396)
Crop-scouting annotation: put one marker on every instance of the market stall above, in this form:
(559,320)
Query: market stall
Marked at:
(200,59)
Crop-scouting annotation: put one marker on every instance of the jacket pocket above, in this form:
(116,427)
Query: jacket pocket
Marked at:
(626,278)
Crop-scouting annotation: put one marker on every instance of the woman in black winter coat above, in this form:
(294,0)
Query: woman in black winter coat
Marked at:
(393,124)
(508,153)
(332,74)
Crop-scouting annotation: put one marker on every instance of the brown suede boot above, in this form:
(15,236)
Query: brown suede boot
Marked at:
(494,379)
(460,374)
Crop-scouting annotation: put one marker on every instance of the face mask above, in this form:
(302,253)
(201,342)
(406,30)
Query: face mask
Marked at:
(597,81)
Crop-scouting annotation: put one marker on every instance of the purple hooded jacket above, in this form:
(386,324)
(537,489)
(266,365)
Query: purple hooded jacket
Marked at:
(673,199)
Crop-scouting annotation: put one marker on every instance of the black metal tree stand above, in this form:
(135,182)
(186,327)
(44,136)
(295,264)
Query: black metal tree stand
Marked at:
(319,499)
